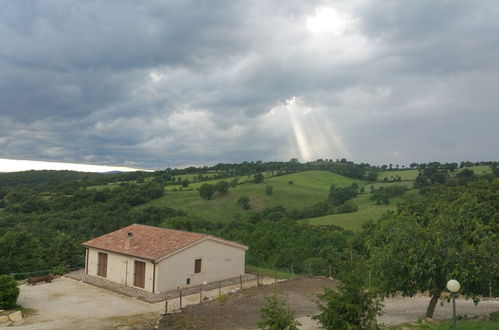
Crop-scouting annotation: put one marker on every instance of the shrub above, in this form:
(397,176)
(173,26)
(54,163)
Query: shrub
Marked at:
(8,291)
(59,270)
(269,190)
(347,207)
(276,314)
(290,182)
(351,307)
(244,202)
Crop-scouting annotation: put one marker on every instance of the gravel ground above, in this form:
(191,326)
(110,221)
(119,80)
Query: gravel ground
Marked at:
(148,296)
(242,310)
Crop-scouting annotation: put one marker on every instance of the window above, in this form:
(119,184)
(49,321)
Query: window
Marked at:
(197,266)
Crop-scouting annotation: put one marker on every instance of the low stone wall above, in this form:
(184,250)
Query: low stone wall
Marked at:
(9,317)
(148,296)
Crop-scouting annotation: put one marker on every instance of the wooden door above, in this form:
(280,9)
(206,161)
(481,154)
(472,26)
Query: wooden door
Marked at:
(139,275)
(102,265)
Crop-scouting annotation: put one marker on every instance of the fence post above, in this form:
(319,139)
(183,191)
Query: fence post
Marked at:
(275,275)
(257,279)
(219,289)
(201,294)
(180,295)
(241,281)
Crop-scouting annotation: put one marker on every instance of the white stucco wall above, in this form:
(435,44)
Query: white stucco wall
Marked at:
(120,268)
(220,261)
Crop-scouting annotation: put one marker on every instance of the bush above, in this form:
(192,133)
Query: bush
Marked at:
(244,202)
(277,315)
(351,307)
(8,291)
(347,207)
(269,190)
(59,270)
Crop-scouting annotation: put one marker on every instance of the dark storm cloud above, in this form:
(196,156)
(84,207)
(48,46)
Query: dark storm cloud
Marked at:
(168,83)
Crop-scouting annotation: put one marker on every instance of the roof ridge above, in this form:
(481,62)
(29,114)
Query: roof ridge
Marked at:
(178,230)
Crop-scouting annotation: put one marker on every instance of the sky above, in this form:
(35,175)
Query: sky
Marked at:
(156,84)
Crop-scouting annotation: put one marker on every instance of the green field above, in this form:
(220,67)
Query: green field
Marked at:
(406,175)
(307,189)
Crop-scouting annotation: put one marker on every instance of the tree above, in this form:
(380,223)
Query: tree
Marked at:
(258,178)
(276,315)
(350,307)
(244,202)
(269,190)
(8,291)
(206,191)
(451,233)
(20,251)
(222,187)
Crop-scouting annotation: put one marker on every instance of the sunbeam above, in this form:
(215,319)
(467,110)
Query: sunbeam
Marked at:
(314,134)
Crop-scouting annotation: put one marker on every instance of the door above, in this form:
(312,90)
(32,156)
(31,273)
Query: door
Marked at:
(139,274)
(102,265)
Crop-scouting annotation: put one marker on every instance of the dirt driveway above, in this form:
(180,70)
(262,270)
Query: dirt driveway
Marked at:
(242,310)
(69,304)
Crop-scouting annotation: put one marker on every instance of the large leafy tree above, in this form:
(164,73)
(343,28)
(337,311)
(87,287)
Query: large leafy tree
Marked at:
(451,233)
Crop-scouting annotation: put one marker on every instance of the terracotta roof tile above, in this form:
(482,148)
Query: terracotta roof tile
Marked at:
(148,242)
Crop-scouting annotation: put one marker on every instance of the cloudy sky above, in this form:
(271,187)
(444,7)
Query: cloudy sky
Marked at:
(151,84)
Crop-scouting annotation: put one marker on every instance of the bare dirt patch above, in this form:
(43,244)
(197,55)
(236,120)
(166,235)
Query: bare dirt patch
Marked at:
(242,310)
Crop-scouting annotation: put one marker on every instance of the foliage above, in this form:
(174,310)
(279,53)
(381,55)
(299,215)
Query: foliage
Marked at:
(59,270)
(452,233)
(222,187)
(339,195)
(258,178)
(206,191)
(276,315)
(269,190)
(351,306)
(244,202)
(8,291)
(382,195)
(347,207)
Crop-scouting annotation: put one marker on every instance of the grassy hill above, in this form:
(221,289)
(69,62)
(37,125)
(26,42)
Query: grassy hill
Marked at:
(307,189)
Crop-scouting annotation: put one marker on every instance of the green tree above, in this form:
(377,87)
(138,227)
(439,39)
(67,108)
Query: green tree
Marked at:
(350,307)
(276,315)
(451,233)
(269,190)
(258,178)
(8,291)
(206,191)
(244,202)
(222,187)
(20,251)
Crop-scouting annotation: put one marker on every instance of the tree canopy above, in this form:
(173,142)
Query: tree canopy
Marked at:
(452,233)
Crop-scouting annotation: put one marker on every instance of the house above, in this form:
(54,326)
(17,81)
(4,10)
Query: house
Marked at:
(156,259)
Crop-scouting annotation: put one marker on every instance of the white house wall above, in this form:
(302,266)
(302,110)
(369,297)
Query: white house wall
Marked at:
(219,261)
(120,268)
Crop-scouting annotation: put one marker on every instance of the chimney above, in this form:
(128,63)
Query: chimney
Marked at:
(128,240)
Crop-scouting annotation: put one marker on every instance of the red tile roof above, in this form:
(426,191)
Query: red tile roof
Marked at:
(149,242)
